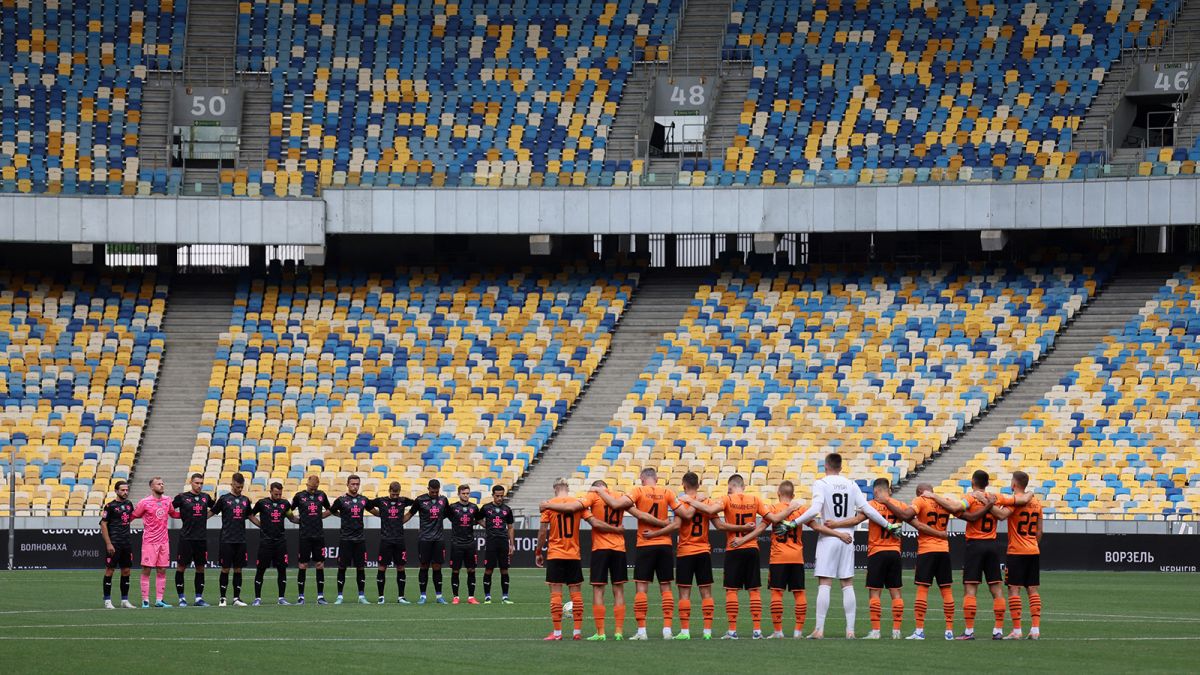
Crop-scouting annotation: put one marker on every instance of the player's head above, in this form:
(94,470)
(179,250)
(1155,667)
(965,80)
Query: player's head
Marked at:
(649,476)
(787,491)
(1020,481)
(561,487)
(434,487)
(157,486)
(312,482)
(394,490)
(196,482)
(276,490)
(237,483)
(883,488)
(122,489)
(691,482)
(736,483)
(600,484)
(464,493)
(922,488)
(497,494)
(833,463)
(352,484)
(979,479)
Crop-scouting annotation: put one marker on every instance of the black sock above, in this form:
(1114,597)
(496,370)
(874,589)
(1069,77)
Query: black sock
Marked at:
(300,580)
(504,582)
(401,577)
(320,582)
(341,579)
(487,583)
(423,579)
(281,580)
(179,582)
(107,588)
(223,583)
(360,575)
(381,580)
(454,583)
(258,581)
(470,583)
(437,581)
(199,584)
(124,586)
(237,584)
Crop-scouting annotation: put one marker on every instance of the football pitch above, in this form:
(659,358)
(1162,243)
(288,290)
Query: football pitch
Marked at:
(52,622)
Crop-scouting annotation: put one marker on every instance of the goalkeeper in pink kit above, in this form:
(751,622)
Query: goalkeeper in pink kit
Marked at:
(156,512)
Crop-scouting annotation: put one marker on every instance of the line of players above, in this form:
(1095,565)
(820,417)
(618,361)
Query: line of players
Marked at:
(308,509)
(839,505)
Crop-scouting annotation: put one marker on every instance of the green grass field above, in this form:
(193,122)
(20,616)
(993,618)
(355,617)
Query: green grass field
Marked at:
(51,622)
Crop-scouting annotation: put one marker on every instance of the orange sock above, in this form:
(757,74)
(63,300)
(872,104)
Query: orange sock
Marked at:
(756,609)
(1014,611)
(598,616)
(668,607)
(685,610)
(897,613)
(619,619)
(1035,610)
(998,612)
(948,606)
(801,608)
(876,612)
(777,608)
(921,605)
(556,610)
(577,609)
(709,607)
(731,608)
(969,607)
(640,605)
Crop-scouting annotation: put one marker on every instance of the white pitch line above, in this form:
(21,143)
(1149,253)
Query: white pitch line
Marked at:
(279,621)
(82,638)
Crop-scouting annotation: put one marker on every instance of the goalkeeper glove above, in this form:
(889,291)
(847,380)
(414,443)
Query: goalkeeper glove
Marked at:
(784,527)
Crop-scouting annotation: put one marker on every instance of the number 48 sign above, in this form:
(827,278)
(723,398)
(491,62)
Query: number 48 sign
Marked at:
(682,96)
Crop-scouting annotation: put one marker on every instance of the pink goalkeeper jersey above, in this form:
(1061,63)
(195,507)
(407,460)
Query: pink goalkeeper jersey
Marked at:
(156,514)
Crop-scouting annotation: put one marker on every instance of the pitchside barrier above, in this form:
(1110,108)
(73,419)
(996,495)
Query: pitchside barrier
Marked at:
(1179,552)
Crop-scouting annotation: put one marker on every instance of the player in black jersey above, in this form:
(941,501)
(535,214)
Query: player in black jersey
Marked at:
(312,508)
(234,509)
(269,515)
(433,509)
(391,513)
(352,542)
(497,520)
(193,506)
(463,547)
(114,527)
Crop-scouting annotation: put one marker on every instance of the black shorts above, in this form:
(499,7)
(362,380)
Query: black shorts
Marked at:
(463,556)
(122,557)
(431,552)
(1023,570)
(742,569)
(654,561)
(192,552)
(392,553)
(884,570)
(785,576)
(564,572)
(312,549)
(982,559)
(495,554)
(352,553)
(233,555)
(932,566)
(272,554)
(609,566)
(694,568)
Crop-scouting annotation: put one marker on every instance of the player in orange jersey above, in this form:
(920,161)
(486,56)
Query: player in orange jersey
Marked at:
(608,558)
(883,556)
(982,557)
(650,504)
(1023,512)
(558,551)
(933,559)
(785,570)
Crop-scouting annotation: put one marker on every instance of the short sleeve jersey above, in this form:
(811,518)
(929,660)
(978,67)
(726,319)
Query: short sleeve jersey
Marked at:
(462,524)
(193,513)
(310,509)
(693,533)
(563,535)
(118,513)
(272,514)
(596,508)
(432,511)
(743,509)
(391,516)
(879,539)
(655,501)
(495,520)
(234,510)
(932,514)
(787,548)
(351,510)
(985,527)
(1024,523)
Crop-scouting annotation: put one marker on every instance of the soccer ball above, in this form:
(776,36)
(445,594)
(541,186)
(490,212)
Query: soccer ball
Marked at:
(568,606)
